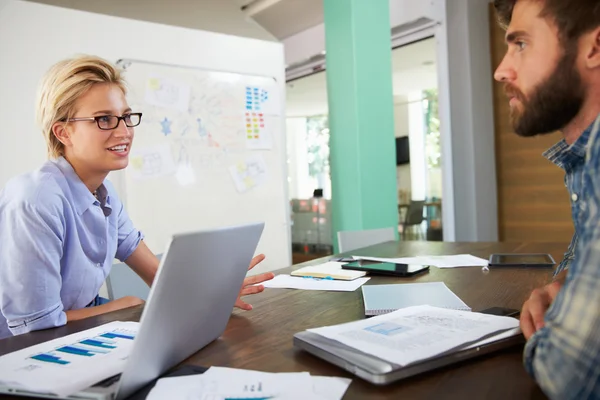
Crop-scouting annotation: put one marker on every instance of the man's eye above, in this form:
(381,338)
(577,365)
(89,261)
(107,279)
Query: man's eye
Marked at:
(521,45)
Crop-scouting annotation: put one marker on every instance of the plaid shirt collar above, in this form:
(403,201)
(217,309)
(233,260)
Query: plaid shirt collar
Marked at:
(567,156)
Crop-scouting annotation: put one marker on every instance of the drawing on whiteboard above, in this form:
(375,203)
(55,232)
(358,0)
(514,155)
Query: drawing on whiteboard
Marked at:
(201,127)
(167,93)
(166,126)
(151,162)
(249,173)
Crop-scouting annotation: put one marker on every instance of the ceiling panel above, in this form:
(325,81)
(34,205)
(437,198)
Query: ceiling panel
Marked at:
(288,17)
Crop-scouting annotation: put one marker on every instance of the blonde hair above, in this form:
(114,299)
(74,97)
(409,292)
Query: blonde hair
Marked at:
(64,83)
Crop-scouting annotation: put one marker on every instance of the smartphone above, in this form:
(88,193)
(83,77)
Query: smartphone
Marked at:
(385,268)
(521,260)
(501,311)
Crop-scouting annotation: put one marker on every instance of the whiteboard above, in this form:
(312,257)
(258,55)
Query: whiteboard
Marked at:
(210,152)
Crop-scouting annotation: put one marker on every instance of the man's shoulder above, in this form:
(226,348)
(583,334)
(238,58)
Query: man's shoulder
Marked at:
(593,148)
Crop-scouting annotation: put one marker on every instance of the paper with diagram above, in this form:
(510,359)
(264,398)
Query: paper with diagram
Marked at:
(249,173)
(72,363)
(231,383)
(417,333)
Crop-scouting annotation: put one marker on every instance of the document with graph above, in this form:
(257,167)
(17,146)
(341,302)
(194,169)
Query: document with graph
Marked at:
(71,363)
(417,333)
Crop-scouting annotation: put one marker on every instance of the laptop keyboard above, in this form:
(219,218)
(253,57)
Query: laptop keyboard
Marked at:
(108,381)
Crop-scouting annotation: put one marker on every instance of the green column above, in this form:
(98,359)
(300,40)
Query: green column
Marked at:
(361,116)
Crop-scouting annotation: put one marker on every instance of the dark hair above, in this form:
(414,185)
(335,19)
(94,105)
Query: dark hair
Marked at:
(573,18)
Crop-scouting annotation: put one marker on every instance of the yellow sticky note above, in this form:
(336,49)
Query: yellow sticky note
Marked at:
(137,162)
(249,182)
(154,83)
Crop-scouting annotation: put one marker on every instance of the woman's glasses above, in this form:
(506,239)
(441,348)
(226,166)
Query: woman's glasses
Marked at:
(109,122)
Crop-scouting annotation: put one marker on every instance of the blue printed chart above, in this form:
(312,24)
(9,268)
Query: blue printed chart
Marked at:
(72,363)
(101,344)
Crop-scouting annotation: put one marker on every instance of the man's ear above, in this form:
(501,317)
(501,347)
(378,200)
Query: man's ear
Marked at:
(592,48)
(59,129)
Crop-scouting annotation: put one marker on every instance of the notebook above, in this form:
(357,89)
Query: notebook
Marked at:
(329,270)
(382,299)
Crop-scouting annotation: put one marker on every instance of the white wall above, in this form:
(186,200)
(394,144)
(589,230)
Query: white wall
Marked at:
(297,162)
(34,36)
(222,16)
(401,128)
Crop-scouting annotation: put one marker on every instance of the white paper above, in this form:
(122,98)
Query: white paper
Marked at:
(332,268)
(503,335)
(221,383)
(151,162)
(284,281)
(454,261)
(258,131)
(416,333)
(167,93)
(330,388)
(249,173)
(69,373)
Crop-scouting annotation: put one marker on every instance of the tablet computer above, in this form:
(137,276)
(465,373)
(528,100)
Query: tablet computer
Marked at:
(521,260)
(386,268)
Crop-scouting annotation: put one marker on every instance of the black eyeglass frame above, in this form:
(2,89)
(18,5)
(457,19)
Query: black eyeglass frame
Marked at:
(118,119)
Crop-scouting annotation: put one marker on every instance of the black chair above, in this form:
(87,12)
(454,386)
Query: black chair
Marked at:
(414,217)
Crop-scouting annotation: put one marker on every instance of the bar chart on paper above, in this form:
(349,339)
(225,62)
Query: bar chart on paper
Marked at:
(66,365)
(100,344)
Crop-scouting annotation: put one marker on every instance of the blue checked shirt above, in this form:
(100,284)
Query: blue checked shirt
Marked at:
(571,158)
(564,356)
(57,245)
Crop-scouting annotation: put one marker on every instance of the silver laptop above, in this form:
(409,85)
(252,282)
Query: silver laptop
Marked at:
(189,305)
(382,372)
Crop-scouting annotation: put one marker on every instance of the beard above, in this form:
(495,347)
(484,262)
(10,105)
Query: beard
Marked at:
(553,104)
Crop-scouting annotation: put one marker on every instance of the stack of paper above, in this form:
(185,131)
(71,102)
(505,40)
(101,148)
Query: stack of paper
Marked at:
(230,383)
(458,260)
(284,281)
(414,334)
(331,270)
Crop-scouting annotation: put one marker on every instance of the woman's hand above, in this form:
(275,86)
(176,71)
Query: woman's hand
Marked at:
(248,285)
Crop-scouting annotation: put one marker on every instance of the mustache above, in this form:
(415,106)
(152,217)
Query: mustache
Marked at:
(511,91)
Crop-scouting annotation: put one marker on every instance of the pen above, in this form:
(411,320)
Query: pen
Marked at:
(327,278)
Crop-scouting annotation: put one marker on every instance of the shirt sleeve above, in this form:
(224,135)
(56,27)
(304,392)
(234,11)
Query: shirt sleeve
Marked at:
(128,236)
(568,257)
(563,356)
(30,280)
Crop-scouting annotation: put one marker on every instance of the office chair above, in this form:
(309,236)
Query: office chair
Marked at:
(351,240)
(414,217)
(122,281)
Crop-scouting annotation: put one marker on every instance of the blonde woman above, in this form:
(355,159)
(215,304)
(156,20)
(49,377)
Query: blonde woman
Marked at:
(62,225)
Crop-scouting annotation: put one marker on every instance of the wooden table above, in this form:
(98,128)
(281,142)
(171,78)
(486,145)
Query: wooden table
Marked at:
(262,339)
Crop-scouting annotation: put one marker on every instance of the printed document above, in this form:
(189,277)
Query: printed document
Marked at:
(231,383)
(417,333)
(72,363)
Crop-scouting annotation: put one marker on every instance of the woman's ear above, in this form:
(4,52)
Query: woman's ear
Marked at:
(59,129)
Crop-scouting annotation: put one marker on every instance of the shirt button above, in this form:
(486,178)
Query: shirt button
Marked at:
(574,197)
(99,265)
